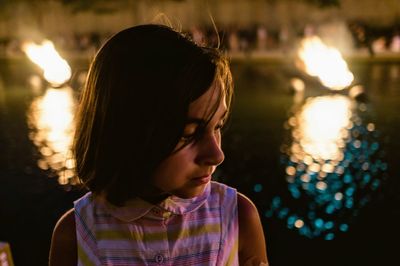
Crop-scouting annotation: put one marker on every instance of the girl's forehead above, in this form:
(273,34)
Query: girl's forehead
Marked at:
(205,104)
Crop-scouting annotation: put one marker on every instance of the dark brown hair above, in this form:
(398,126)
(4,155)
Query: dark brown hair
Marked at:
(134,106)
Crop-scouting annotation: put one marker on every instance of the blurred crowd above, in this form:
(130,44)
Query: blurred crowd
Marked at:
(234,40)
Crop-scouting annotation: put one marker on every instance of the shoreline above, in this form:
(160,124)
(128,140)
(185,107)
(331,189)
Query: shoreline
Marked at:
(277,57)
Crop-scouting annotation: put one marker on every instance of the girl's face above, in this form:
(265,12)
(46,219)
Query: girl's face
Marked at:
(187,171)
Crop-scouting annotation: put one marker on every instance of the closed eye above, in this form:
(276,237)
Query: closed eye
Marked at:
(195,128)
(192,131)
(219,126)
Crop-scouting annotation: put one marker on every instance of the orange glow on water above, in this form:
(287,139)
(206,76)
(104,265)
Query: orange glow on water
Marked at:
(321,126)
(51,121)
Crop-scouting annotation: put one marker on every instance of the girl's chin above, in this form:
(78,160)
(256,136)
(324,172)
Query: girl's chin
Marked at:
(192,192)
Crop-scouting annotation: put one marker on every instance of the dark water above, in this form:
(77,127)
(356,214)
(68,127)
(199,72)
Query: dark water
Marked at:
(342,209)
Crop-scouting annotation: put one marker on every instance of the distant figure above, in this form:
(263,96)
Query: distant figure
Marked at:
(148,139)
(198,36)
(262,38)
(379,45)
(395,43)
(234,42)
(309,30)
(362,37)
(284,38)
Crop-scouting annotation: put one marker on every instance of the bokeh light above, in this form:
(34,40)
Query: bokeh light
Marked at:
(50,119)
(333,164)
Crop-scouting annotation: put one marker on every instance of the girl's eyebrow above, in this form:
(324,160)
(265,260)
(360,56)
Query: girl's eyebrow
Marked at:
(193,120)
(201,121)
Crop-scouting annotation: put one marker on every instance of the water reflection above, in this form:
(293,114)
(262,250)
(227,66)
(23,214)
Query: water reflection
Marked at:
(319,128)
(333,165)
(2,94)
(394,71)
(50,119)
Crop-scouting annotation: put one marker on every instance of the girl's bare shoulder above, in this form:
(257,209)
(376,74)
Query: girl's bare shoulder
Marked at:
(252,247)
(65,225)
(245,206)
(63,243)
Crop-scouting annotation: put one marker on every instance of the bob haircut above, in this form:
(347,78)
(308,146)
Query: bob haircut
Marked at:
(134,106)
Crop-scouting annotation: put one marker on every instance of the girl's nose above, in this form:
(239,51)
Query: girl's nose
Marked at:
(210,152)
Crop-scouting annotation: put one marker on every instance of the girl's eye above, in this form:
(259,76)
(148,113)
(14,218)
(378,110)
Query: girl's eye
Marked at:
(219,126)
(187,138)
(190,132)
(193,132)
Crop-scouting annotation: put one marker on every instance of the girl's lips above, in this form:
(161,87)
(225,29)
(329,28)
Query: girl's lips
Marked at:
(202,180)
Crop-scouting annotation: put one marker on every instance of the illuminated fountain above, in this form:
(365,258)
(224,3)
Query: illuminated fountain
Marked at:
(50,116)
(332,157)
(324,62)
(55,69)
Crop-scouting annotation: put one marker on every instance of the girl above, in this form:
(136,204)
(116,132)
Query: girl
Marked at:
(147,141)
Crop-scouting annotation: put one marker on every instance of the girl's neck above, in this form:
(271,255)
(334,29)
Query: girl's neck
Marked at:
(154,195)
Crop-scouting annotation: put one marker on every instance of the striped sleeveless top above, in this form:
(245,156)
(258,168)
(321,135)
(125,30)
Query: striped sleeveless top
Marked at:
(197,231)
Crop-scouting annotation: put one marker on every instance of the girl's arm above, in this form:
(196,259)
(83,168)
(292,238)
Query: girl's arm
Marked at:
(63,243)
(252,248)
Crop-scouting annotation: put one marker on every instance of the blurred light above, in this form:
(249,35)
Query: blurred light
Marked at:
(332,163)
(299,223)
(324,62)
(321,123)
(36,82)
(321,185)
(356,91)
(297,84)
(329,225)
(314,167)
(290,170)
(344,227)
(305,178)
(319,223)
(258,187)
(56,69)
(329,236)
(370,127)
(50,119)
(338,196)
